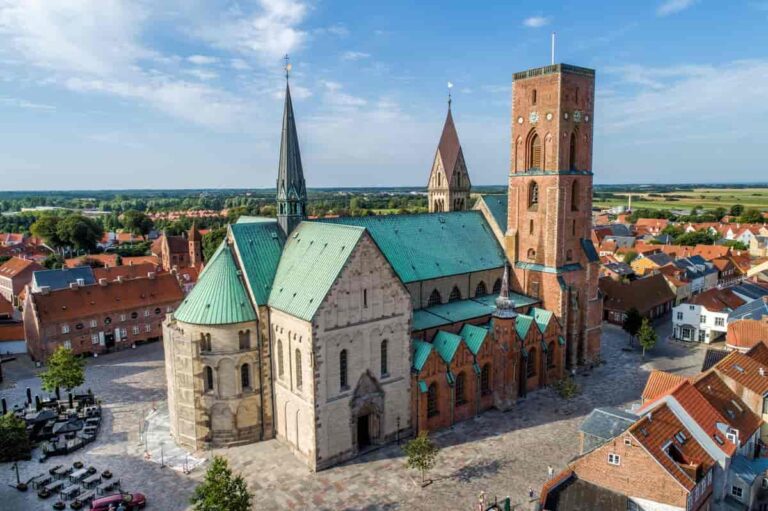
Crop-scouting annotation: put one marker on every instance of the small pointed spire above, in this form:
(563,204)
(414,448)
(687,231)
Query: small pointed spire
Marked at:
(450,86)
(505,308)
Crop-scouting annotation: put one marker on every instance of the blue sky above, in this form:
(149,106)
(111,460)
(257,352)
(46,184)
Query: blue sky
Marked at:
(99,94)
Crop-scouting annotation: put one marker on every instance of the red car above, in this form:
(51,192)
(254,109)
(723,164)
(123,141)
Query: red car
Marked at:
(131,501)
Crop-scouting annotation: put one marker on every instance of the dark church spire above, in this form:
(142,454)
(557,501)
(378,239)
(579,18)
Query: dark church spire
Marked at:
(291,190)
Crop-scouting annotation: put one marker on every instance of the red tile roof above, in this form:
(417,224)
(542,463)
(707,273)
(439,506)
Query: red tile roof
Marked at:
(745,333)
(657,430)
(717,300)
(643,294)
(142,260)
(5,307)
(704,414)
(710,252)
(449,147)
(745,371)
(759,353)
(736,412)
(660,383)
(131,271)
(68,304)
(102,259)
(16,265)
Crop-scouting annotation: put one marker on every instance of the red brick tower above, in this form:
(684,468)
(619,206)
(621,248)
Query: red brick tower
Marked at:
(550,200)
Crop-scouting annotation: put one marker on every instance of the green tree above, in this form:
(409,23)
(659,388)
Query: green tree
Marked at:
(736,244)
(421,454)
(736,210)
(212,240)
(79,232)
(673,231)
(47,228)
(695,238)
(137,222)
(53,262)
(221,490)
(630,256)
(14,441)
(751,216)
(632,323)
(64,370)
(647,336)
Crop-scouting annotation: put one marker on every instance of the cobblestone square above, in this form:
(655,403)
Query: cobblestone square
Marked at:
(496,453)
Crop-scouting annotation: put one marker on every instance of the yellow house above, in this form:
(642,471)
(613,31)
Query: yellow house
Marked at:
(645,264)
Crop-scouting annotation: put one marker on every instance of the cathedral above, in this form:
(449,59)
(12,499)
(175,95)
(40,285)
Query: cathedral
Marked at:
(336,336)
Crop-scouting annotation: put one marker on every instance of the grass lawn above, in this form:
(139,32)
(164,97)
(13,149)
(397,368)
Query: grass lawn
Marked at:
(706,198)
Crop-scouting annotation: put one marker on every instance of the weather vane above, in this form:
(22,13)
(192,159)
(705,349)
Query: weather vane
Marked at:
(450,86)
(287,66)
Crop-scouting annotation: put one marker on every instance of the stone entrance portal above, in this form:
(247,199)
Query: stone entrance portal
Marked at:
(367,413)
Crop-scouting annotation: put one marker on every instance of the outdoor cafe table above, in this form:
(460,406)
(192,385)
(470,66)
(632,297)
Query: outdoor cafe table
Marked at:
(54,486)
(107,486)
(88,481)
(76,476)
(70,491)
(42,480)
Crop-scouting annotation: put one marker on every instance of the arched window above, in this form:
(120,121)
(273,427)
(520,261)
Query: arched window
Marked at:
(531,253)
(530,226)
(280,358)
(480,290)
(572,152)
(245,377)
(534,96)
(434,298)
(534,153)
(244,339)
(384,361)
(485,379)
(205,342)
(455,295)
(343,369)
(530,363)
(299,379)
(497,287)
(460,387)
(575,196)
(533,194)
(208,379)
(432,400)
(551,354)
(569,255)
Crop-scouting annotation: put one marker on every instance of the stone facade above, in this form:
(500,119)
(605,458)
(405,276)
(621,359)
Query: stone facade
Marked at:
(221,384)
(323,416)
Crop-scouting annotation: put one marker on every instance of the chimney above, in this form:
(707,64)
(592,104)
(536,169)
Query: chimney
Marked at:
(120,279)
(73,285)
(151,275)
(44,290)
(761,371)
(80,282)
(102,282)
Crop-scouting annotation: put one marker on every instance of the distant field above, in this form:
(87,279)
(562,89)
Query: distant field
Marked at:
(703,197)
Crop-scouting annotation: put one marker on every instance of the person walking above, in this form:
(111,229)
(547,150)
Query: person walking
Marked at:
(550,472)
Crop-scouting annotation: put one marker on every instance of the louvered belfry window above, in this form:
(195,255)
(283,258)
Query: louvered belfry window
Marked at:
(535,154)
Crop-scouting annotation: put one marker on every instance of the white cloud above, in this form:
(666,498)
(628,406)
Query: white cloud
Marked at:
(354,55)
(25,104)
(239,64)
(95,46)
(692,95)
(536,21)
(202,60)
(269,32)
(335,97)
(202,74)
(674,6)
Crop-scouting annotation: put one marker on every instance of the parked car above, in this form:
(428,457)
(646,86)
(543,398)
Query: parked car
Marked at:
(131,501)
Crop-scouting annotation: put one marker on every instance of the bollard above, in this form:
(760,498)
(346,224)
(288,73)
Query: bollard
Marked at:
(38,406)
(29,395)
(5,406)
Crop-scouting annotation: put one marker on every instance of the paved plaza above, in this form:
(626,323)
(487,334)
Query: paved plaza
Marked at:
(497,453)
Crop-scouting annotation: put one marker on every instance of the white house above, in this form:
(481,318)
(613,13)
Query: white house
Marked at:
(704,318)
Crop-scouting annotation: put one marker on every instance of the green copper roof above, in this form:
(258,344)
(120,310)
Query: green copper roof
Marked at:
(447,313)
(474,336)
(313,257)
(446,344)
(523,325)
(429,246)
(497,205)
(542,317)
(421,351)
(219,297)
(258,242)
